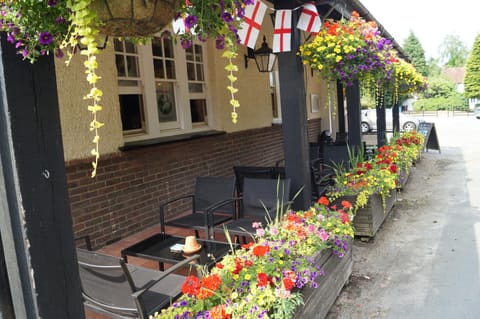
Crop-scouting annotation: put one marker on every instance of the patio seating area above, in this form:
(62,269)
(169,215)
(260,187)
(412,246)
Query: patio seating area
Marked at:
(116,248)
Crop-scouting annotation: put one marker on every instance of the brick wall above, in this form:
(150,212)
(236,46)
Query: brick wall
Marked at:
(125,196)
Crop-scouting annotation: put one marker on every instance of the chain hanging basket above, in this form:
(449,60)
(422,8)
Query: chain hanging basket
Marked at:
(134,18)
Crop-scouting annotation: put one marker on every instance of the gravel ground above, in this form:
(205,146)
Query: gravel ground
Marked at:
(424,260)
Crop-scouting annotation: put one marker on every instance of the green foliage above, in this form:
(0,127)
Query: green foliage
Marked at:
(472,75)
(453,52)
(455,102)
(433,67)
(413,48)
(440,87)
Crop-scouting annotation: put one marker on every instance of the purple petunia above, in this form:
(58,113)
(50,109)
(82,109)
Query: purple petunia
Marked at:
(45,38)
(227,17)
(186,43)
(190,21)
(220,42)
(52,3)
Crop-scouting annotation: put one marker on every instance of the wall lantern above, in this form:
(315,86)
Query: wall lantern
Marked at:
(264,57)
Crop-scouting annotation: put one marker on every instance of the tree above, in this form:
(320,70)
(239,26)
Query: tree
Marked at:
(439,86)
(453,52)
(472,73)
(433,67)
(413,48)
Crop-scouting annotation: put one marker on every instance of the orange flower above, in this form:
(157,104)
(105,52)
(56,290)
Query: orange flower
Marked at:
(219,312)
(346,204)
(323,200)
(260,250)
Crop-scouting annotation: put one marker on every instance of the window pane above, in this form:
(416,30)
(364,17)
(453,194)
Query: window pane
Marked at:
(120,62)
(132,66)
(118,45)
(167,111)
(198,53)
(130,47)
(158,69)
(170,68)
(200,72)
(189,54)
(168,47)
(195,87)
(131,108)
(157,47)
(191,71)
(198,110)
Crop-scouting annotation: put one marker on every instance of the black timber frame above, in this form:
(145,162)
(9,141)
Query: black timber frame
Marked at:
(294,114)
(35,219)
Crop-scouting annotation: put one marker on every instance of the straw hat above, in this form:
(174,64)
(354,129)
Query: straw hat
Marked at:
(191,245)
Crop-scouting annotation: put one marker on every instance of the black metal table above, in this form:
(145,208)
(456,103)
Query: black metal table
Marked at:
(157,247)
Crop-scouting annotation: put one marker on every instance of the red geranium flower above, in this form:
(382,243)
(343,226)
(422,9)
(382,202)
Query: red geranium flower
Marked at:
(346,204)
(260,250)
(263,279)
(323,201)
(191,285)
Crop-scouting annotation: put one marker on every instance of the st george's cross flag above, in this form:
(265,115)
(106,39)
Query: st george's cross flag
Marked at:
(282,33)
(309,20)
(252,21)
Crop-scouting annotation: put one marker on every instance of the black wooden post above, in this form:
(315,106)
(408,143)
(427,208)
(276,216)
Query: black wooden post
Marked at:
(396,116)
(35,219)
(341,112)
(354,116)
(381,121)
(294,114)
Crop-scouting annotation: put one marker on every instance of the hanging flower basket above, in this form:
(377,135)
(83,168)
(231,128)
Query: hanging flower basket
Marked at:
(134,18)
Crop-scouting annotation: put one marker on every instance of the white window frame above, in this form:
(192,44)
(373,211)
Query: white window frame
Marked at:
(153,128)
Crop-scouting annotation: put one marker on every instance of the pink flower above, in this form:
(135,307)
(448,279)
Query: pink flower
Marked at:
(257,225)
(274,231)
(323,235)
(260,232)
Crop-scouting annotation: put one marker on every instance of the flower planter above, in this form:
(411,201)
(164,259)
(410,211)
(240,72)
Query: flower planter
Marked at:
(318,301)
(368,219)
(124,18)
(403,179)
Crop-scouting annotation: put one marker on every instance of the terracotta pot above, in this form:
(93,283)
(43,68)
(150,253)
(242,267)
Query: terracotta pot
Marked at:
(130,18)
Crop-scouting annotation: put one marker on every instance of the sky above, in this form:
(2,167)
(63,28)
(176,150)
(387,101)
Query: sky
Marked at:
(430,20)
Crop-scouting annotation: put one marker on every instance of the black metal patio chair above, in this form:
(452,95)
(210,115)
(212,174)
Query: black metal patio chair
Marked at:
(209,191)
(260,200)
(119,290)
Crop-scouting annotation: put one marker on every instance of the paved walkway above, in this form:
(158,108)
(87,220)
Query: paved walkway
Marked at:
(424,262)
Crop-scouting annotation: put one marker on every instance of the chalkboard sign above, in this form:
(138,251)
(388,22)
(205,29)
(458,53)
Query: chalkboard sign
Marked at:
(431,138)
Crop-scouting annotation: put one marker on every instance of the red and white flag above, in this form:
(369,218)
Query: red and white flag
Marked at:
(282,33)
(252,21)
(309,20)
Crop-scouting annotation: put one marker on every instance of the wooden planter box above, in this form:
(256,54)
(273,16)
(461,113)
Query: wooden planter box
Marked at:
(318,301)
(368,219)
(403,179)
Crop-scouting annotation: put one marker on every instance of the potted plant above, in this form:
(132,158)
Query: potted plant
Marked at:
(38,28)
(348,50)
(267,277)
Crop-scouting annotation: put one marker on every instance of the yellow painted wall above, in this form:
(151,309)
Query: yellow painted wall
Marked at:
(74,116)
(254,96)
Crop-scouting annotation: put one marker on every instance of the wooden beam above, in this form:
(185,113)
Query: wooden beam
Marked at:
(294,114)
(381,120)
(35,219)
(354,116)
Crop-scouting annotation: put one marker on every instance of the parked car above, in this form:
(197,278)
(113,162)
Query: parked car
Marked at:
(477,112)
(407,123)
